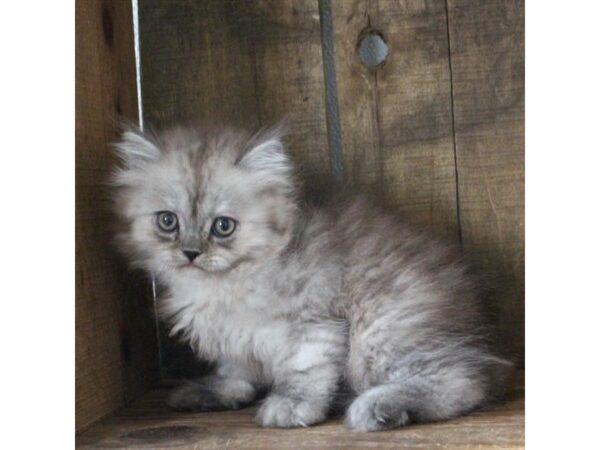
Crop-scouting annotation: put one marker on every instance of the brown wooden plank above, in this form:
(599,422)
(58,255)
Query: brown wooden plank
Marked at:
(238,62)
(487,44)
(115,349)
(148,424)
(397,120)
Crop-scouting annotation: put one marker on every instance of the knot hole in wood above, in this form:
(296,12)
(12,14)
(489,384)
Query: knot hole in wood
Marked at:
(372,48)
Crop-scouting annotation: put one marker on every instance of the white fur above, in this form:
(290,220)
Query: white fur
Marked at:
(280,411)
(136,150)
(267,156)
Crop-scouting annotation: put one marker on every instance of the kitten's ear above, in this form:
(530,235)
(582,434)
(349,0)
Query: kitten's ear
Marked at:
(265,152)
(136,149)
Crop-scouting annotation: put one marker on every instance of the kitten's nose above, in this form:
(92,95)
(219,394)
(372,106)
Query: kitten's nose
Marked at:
(191,254)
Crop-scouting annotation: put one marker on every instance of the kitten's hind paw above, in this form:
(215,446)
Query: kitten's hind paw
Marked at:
(284,412)
(375,411)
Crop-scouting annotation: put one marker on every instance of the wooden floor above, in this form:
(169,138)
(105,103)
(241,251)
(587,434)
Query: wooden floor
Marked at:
(149,424)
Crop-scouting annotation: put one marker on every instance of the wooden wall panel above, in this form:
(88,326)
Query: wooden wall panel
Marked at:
(115,336)
(236,62)
(397,120)
(487,43)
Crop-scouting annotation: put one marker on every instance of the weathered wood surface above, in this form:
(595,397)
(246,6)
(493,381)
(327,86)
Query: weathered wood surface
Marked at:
(397,120)
(148,424)
(487,44)
(115,352)
(236,62)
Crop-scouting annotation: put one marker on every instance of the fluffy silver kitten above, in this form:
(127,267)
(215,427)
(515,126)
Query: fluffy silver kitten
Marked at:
(308,303)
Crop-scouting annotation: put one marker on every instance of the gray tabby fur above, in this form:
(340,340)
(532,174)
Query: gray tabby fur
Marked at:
(315,304)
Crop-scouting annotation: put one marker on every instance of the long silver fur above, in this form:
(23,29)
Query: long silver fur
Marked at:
(312,303)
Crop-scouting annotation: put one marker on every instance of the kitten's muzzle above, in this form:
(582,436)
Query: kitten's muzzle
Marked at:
(191,254)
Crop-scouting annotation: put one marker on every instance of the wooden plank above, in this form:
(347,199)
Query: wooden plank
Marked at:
(115,353)
(148,424)
(238,62)
(487,45)
(396,120)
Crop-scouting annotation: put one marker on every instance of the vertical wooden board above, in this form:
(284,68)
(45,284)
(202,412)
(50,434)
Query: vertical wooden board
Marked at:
(238,62)
(115,352)
(487,54)
(232,61)
(397,120)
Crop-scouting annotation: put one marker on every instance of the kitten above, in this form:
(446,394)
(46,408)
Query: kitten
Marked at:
(303,301)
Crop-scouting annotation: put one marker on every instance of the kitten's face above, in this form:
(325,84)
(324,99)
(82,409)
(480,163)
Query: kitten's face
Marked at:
(204,201)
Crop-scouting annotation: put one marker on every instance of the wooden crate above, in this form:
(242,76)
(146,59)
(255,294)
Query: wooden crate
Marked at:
(438,129)
(115,356)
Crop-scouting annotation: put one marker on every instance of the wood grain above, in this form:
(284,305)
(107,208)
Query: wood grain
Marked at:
(397,120)
(487,51)
(115,348)
(148,424)
(237,62)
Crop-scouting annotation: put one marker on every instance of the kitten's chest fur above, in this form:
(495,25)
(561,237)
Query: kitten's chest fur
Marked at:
(260,310)
(244,317)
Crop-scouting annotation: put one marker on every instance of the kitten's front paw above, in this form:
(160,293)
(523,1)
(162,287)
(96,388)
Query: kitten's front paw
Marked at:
(195,397)
(373,413)
(279,411)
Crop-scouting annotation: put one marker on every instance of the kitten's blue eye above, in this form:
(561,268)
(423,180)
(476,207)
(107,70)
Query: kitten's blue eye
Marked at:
(223,226)
(167,221)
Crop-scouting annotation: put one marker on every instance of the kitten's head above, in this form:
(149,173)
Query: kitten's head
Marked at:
(203,199)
